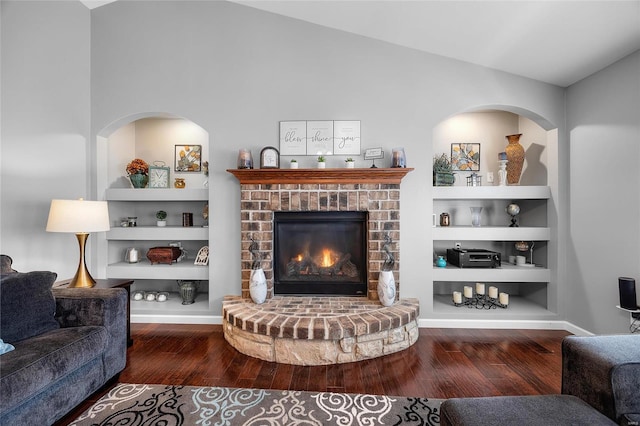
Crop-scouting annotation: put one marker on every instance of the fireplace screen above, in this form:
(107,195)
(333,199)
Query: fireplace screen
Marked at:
(320,253)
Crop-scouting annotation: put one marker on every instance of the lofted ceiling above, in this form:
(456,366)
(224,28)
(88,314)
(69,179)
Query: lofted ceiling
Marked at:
(554,41)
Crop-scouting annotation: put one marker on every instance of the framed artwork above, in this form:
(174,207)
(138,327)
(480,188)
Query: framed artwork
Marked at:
(293,138)
(188,158)
(465,157)
(320,137)
(346,137)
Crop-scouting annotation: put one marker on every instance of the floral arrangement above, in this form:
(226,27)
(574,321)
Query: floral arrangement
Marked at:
(138,166)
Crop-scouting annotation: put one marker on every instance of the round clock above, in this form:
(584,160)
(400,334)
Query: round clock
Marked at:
(269,158)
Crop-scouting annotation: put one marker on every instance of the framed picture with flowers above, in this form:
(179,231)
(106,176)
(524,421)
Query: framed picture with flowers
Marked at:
(188,158)
(465,157)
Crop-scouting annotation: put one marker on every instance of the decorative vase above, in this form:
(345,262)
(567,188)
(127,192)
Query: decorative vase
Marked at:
(441,263)
(294,165)
(161,223)
(139,180)
(188,291)
(258,286)
(515,156)
(475,216)
(321,164)
(351,164)
(179,183)
(386,288)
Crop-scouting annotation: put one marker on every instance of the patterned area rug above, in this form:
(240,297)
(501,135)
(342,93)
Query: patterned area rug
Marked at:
(132,404)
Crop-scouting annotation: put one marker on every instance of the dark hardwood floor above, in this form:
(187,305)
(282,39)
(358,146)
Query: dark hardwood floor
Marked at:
(444,363)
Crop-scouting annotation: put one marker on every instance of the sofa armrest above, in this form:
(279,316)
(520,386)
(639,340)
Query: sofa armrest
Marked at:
(77,307)
(604,371)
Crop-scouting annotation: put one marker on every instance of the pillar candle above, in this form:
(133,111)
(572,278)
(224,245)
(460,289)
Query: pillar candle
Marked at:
(468,292)
(480,288)
(457,297)
(504,298)
(493,292)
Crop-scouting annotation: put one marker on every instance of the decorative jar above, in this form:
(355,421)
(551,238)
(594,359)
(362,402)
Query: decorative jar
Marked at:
(179,183)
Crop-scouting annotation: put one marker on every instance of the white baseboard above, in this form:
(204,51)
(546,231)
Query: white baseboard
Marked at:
(176,319)
(508,325)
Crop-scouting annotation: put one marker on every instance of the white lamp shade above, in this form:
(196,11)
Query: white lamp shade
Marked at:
(78,216)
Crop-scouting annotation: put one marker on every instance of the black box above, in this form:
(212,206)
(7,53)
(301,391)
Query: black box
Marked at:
(473,258)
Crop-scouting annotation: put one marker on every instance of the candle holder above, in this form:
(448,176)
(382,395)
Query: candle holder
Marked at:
(481,301)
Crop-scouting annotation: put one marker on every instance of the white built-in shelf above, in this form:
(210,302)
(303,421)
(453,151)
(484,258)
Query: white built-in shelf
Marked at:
(157,194)
(519,307)
(184,270)
(491,192)
(172,311)
(140,233)
(491,233)
(506,273)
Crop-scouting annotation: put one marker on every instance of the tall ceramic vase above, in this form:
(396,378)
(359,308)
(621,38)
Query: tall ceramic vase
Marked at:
(258,286)
(515,156)
(386,288)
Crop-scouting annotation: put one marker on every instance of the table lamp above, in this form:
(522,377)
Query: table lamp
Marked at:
(79,217)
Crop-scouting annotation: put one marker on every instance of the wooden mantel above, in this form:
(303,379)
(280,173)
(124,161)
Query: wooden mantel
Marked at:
(338,175)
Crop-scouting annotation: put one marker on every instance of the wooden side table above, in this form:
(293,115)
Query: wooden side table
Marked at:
(111,283)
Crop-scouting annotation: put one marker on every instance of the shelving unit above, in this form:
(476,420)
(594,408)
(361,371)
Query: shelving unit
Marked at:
(527,285)
(123,201)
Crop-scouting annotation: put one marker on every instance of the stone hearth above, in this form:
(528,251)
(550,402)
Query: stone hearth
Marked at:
(319,330)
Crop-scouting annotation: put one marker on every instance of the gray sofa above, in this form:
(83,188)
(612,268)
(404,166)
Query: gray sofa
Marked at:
(68,344)
(600,386)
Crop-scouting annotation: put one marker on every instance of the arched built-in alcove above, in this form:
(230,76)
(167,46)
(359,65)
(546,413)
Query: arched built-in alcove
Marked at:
(533,289)
(158,139)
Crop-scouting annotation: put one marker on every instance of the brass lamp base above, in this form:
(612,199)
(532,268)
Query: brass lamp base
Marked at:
(82,278)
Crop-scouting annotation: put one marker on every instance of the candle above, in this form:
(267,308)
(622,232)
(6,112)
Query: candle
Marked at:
(480,288)
(457,297)
(504,299)
(468,292)
(493,292)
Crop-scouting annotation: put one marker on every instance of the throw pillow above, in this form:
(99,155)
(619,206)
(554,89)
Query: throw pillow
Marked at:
(27,306)
(5,347)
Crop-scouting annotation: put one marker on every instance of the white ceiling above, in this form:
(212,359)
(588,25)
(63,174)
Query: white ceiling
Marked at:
(555,41)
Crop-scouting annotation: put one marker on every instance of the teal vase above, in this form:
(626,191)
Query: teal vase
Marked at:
(441,263)
(139,180)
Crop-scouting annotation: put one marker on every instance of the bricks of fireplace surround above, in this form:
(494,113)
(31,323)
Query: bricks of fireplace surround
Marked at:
(319,330)
(259,201)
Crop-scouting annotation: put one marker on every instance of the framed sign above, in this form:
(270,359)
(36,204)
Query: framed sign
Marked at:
(465,157)
(373,154)
(293,138)
(188,158)
(346,137)
(319,137)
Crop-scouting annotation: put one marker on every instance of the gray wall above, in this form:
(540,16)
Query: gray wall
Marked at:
(604,243)
(45,128)
(237,72)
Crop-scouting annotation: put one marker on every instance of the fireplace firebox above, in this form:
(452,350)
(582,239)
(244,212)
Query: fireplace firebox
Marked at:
(323,253)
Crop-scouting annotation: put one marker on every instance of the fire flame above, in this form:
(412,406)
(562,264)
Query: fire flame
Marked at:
(299,258)
(326,258)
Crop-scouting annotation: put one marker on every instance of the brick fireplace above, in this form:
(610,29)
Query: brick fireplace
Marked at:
(260,330)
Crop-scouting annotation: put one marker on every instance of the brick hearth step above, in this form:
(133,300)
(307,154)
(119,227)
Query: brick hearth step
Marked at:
(319,330)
